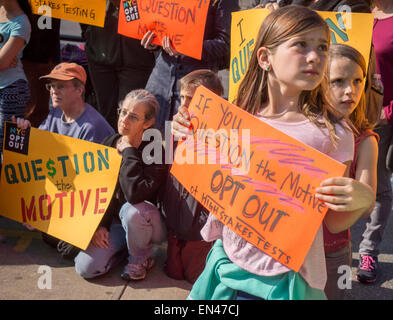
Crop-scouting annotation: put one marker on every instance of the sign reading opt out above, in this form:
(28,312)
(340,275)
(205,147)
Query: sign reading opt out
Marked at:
(257,180)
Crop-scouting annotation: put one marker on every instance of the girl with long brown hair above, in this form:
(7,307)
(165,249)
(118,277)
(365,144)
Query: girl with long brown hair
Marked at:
(285,87)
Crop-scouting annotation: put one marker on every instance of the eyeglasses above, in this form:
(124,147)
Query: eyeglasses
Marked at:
(50,86)
(131,116)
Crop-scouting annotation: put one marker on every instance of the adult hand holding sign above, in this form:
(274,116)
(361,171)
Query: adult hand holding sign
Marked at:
(167,46)
(21,123)
(147,40)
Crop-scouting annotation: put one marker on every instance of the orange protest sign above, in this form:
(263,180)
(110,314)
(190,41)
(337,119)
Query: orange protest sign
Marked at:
(184,22)
(257,180)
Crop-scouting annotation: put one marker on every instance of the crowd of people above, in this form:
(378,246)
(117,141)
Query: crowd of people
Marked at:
(325,95)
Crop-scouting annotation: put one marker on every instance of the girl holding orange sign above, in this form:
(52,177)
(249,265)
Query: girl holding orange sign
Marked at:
(285,87)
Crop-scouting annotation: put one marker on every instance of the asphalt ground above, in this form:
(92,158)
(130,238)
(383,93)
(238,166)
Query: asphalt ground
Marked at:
(32,270)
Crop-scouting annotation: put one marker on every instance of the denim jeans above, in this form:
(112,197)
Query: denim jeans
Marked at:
(140,225)
(378,219)
(143,226)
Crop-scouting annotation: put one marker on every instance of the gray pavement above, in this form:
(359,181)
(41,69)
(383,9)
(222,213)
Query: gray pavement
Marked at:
(27,264)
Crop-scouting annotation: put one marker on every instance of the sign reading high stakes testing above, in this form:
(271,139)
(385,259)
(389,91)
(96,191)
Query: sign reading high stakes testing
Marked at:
(258,181)
(57,184)
(183,21)
(84,11)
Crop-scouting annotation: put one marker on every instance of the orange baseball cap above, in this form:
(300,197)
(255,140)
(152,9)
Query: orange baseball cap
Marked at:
(67,71)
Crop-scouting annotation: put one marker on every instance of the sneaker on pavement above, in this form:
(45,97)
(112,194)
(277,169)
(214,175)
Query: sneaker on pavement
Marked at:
(367,271)
(67,251)
(137,271)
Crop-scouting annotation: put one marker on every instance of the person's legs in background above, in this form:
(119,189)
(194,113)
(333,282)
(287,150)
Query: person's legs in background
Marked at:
(131,79)
(375,226)
(106,87)
(111,84)
(38,107)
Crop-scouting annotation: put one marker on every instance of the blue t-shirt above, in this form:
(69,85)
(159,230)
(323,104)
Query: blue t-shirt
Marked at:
(90,126)
(17,27)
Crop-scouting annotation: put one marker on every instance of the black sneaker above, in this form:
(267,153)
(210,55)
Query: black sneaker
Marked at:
(367,271)
(67,250)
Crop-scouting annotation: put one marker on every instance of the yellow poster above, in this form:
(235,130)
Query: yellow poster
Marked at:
(56,184)
(353,29)
(84,11)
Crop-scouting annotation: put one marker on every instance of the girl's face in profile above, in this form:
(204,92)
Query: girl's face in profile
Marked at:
(299,63)
(346,84)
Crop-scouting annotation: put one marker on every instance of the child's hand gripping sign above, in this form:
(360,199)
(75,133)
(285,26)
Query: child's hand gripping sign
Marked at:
(182,21)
